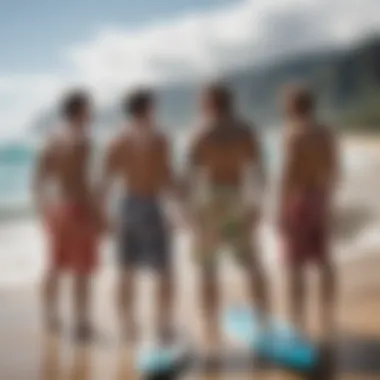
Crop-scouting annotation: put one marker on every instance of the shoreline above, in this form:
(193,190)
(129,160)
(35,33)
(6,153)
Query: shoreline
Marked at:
(367,140)
(359,242)
(358,307)
(272,265)
(358,220)
(360,141)
(345,264)
(356,254)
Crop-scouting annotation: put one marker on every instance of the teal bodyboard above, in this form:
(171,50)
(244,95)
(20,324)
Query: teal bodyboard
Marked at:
(159,359)
(278,342)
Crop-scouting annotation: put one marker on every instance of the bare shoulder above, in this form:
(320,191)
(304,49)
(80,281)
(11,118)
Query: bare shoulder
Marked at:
(330,140)
(162,139)
(321,136)
(200,135)
(245,126)
(247,137)
(119,141)
(247,130)
(327,132)
(82,144)
(294,139)
(52,146)
(198,139)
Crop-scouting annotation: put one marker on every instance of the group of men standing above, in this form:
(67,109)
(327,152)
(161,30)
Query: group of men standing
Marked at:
(219,197)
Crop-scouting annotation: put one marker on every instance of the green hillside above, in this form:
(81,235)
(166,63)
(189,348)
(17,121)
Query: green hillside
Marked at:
(347,82)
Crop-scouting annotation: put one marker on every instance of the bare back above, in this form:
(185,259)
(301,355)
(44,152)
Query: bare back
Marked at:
(224,151)
(66,161)
(141,162)
(311,160)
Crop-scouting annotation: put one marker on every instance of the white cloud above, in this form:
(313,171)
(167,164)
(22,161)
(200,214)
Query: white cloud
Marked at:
(22,96)
(196,45)
(205,43)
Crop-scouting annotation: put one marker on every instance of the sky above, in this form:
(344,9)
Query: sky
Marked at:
(47,46)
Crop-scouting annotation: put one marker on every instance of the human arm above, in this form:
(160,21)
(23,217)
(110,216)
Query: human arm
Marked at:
(291,149)
(191,181)
(333,157)
(108,174)
(257,169)
(254,177)
(42,173)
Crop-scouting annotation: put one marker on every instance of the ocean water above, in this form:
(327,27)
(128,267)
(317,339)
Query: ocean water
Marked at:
(22,245)
(16,166)
(17,162)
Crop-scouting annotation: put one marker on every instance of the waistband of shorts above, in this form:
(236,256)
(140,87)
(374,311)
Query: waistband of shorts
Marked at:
(224,191)
(71,204)
(309,191)
(140,199)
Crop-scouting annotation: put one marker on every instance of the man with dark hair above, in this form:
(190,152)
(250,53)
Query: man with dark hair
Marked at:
(72,221)
(74,103)
(299,100)
(226,181)
(138,102)
(309,181)
(140,157)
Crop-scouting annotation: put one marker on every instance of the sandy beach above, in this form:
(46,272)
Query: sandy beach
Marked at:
(26,353)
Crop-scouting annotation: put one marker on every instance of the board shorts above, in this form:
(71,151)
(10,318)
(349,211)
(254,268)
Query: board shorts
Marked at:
(306,226)
(73,238)
(223,219)
(144,235)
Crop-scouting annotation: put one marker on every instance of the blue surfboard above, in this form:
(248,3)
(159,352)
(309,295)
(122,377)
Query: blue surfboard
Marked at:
(161,359)
(280,342)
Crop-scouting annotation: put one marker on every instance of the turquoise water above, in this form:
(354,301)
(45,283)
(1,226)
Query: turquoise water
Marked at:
(23,242)
(16,166)
(17,160)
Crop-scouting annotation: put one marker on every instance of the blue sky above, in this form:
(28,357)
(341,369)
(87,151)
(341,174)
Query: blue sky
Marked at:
(47,46)
(32,32)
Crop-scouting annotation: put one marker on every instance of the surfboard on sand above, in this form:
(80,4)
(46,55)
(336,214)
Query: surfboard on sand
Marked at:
(155,361)
(279,342)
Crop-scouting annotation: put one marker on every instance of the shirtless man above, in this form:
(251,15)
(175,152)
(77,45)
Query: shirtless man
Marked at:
(226,181)
(140,157)
(308,184)
(71,219)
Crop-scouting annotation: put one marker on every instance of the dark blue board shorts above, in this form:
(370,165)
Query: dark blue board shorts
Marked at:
(144,239)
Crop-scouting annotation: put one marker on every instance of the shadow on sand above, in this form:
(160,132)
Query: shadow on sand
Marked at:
(353,355)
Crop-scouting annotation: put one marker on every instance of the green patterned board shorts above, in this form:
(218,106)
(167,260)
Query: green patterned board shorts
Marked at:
(223,219)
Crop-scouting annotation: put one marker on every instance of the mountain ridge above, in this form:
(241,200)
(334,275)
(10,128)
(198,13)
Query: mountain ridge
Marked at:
(346,81)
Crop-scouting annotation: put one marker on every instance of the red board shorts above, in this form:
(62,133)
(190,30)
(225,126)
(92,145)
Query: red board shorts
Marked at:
(72,238)
(306,227)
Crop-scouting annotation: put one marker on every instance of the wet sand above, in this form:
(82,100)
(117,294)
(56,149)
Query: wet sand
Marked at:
(369,141)
(26,353)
